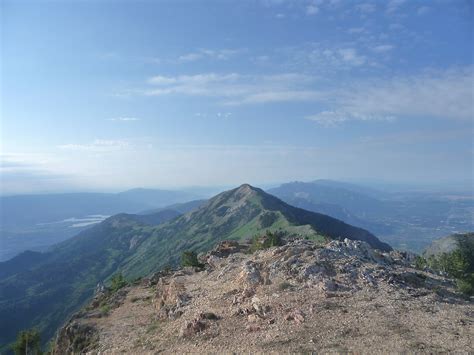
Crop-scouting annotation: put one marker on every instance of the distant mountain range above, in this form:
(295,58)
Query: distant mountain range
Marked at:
(406,220)
(35,222)
(42,289)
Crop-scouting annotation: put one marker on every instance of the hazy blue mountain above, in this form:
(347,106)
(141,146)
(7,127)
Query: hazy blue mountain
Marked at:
(35,222)
(157,198)
(183,208)
(44,290)
(406,220)
(323,192)
(357,188)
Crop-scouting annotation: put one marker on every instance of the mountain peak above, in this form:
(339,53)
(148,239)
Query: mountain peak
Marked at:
(246,187)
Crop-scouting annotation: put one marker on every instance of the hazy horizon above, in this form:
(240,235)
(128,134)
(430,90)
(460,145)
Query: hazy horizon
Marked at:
(463,187)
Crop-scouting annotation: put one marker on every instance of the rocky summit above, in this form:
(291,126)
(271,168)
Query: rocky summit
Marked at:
(342,296)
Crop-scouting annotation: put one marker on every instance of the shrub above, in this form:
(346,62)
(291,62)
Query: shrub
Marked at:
(466,285)
(117,282)
(420,262)
(27,342)
(189,258)
(105,309)
(285,286)
(458,264)
(270,239)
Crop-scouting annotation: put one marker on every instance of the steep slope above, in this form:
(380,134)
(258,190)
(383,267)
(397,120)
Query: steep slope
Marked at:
(48,291)
(42,289)
(302,297)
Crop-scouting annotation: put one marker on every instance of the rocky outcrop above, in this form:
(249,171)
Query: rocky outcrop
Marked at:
(298,297)
(76,337)
(170,297)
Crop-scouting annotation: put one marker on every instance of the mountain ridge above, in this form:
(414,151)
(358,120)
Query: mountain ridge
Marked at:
(130,244)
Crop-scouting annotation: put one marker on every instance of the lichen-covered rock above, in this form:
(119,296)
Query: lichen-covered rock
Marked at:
(250,274)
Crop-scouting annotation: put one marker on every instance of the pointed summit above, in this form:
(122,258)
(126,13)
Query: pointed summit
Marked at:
(246,187)
(246,190)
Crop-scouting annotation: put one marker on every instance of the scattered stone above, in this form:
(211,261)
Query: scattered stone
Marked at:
(295,315)
(192,328)
(253,318)
(252,328)
(209,316)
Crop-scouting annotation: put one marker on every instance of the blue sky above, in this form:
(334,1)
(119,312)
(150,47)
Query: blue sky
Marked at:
(108,95)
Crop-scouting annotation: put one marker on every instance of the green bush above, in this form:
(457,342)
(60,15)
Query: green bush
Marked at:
(268,240)
(466,285)
(458,264)
(189,258)
(27,342)
(420,262)
(117,282)
(105,309)
(285,286)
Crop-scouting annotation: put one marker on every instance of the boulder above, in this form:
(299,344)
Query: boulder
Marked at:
(250,274)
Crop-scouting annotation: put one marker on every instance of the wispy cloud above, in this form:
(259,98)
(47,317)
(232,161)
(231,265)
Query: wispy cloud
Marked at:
(356,30)
(365,8)
(394,5)
(350,55)
(312,9)
(435,94)
(442,94)
(383,48)
(98,145)
(223,115)
(335,118)
(215,54)
(123,119)
(235,88)
(328,58)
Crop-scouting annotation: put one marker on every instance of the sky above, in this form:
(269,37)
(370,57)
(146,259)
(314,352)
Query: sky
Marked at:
(108,95)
